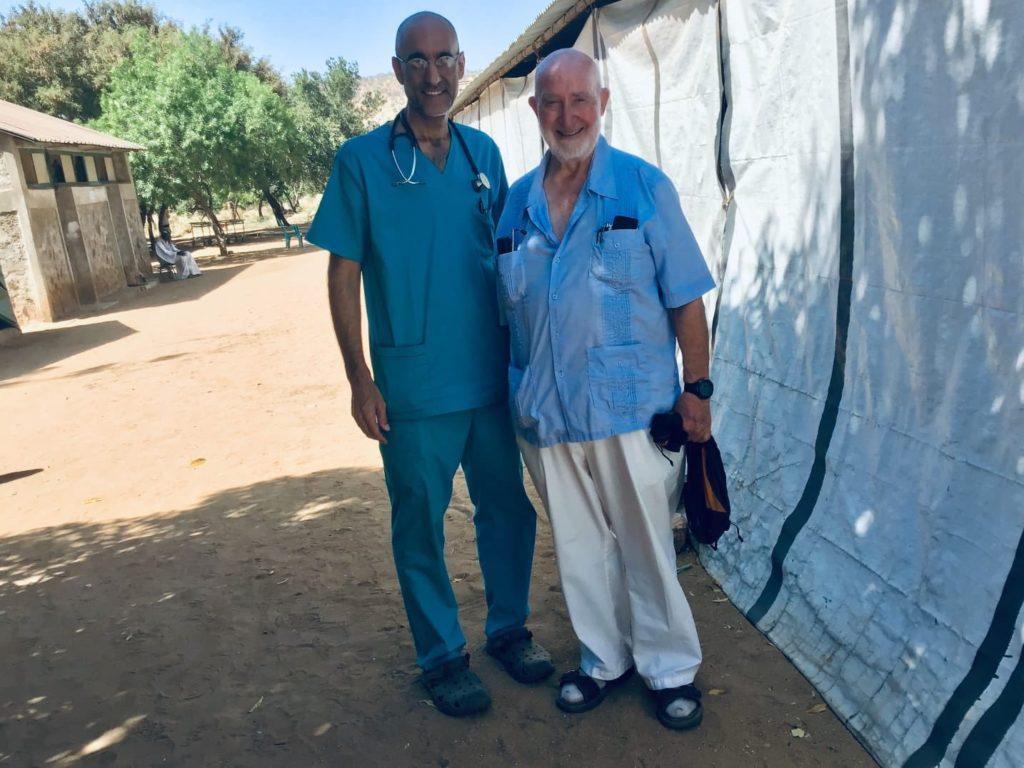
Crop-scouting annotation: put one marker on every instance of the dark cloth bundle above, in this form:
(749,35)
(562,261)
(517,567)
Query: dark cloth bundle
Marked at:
(705,496)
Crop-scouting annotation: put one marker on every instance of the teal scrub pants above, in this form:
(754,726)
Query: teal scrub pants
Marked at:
(420,461)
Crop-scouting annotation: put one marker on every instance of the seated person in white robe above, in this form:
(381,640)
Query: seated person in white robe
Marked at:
(182,261)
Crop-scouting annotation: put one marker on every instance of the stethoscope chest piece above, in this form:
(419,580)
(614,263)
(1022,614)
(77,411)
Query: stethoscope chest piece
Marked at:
(481,182)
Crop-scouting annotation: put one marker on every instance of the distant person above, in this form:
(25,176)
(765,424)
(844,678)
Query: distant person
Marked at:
(601,279)
(410,210)
(183,262)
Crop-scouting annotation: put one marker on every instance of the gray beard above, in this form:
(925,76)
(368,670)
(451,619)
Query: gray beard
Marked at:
(579,151)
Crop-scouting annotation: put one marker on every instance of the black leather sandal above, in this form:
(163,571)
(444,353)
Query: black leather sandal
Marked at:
(665,696)
(593,694)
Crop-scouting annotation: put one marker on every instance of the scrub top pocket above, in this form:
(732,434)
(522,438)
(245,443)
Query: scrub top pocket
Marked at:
(399,373)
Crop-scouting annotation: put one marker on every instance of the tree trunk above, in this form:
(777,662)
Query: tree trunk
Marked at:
(218,231)
(275,206)
(293,203)
(164,219)
(146,215)
(234,209)
(259,208)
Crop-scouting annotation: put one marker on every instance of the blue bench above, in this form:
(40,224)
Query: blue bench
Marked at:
(292,230)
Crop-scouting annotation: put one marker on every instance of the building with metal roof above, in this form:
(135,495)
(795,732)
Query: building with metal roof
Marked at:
(70,228)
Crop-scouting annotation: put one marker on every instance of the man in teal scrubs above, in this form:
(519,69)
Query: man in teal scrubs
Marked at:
(410,209)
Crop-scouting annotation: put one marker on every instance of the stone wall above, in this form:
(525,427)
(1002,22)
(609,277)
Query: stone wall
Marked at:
(55,271)
(136,232)
(16,249)
(66,246)
(97,229)
(14,266)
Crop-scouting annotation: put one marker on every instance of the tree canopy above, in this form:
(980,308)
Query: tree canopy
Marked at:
(58,61)
(211,132)
(327,112)
(218,122)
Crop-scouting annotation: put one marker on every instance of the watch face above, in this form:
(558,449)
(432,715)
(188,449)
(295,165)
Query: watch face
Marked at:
(702,388)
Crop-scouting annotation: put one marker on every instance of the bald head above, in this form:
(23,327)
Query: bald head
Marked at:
(567,64)
(569,102)
(414,22)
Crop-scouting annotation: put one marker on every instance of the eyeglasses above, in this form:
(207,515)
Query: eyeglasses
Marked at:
(444,63)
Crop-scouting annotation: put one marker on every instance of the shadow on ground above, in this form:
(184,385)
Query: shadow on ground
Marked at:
(240,256)
(265,628)
(36,350)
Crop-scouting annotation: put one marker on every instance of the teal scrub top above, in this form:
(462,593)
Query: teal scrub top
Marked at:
(427,254)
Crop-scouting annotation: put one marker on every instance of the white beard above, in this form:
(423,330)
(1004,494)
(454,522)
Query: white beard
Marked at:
(577,148)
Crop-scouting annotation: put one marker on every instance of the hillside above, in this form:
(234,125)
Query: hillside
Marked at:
(394,96)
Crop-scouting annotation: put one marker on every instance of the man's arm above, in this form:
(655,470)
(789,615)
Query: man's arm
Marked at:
(691,328)
(343,288)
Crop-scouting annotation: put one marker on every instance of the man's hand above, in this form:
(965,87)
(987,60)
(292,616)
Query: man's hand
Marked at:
(696,415)
(369,409)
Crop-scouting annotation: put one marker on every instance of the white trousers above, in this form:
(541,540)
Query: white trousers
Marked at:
(187,266)
(610,503)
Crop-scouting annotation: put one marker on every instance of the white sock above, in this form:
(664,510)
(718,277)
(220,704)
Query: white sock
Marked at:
(573,695)
(681,708)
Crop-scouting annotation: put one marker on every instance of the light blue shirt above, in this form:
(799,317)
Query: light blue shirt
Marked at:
(427,255)
(592,341)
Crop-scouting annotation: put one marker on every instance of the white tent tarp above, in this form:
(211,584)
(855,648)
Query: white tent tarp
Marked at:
(865,217)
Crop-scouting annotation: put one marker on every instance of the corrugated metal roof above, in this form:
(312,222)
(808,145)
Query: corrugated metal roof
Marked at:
(550,21)
(28,124)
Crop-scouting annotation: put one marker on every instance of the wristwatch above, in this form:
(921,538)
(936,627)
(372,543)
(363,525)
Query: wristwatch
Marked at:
(702,388)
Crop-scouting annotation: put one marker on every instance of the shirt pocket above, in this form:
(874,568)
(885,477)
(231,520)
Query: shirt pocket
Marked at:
(512,271)
(618,258)
(616,379)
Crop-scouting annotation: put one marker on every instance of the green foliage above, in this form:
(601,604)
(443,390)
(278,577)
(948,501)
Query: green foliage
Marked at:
(211,132)
(58,61)
(327,112)
(240,57)
(218,123)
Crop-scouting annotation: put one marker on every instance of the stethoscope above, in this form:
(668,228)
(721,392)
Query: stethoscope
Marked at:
(480,180)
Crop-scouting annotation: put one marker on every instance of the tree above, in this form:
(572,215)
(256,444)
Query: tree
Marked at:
(58,61)
(273,162)
(327,112)
(211,132)
(240,56)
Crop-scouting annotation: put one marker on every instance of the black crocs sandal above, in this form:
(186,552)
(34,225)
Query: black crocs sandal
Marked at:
(526,661)
(666,696)
(593,694)
(455,689)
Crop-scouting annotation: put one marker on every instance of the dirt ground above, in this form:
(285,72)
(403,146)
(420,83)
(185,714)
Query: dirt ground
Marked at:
(195,566)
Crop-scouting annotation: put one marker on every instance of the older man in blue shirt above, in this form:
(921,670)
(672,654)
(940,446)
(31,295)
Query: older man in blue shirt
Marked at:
(600,279)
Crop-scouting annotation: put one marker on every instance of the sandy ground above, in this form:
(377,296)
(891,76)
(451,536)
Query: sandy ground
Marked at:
(195,566)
